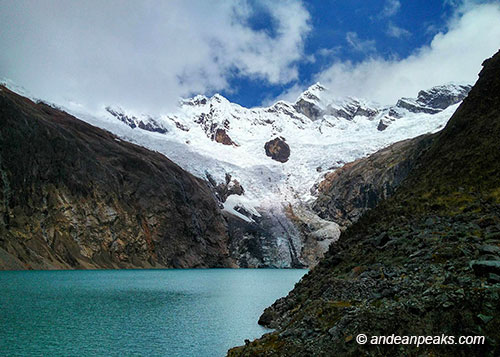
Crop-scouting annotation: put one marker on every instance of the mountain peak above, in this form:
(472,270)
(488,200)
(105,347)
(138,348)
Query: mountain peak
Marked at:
(313,93)
(435,99)
(317,87)
(195,101)
(442,96)
(219,98)
(449,200)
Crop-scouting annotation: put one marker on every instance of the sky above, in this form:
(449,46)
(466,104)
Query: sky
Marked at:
(146,55)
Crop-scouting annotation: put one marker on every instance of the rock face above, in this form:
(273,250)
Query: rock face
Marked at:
(278,149)
(424,262)
(322,131)
(441,97)
(144,123)
(221,136)
(317,233)
(435,99)
(227,188)
(351,190)
(75,196)
(254,244)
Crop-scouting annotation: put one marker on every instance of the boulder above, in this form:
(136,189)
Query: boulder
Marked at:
(278,149)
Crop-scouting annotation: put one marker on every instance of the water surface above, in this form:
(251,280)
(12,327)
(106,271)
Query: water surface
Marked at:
(135,312)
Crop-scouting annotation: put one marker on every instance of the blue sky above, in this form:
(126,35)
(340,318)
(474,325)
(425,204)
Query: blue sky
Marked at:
(388,29)
(146,55)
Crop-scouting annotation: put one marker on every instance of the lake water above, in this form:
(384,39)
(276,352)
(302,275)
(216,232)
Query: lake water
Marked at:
(135,312)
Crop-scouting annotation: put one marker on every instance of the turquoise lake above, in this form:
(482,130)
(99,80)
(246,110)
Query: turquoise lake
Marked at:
(192,312)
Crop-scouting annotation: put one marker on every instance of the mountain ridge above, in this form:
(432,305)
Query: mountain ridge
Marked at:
(76,196)
(212,138)
(424,262)
(315,135)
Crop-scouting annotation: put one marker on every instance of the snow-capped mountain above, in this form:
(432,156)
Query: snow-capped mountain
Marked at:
(215,136)
(277,154)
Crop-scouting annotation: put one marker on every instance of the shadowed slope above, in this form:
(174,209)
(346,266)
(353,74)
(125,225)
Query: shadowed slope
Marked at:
(75,196)
(424,262)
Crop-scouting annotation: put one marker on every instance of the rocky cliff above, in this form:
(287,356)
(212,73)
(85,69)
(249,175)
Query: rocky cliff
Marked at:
(348,192)
(425,262)
(75,196)
(277,154)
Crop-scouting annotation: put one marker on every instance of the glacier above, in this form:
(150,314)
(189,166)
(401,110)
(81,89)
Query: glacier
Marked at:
(212,137)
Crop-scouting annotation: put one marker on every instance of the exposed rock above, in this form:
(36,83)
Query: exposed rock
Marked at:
(385,122)
(198,100)
(351,109)
(307,104)
(286,109)
(269,240)
(179,126)
(221,136)
(413,106)
(365,112)
(441,97)
(278,149)
(435,99)
(224,189)
(382,125)
(484,267)
(317,233)
(403,268)
(309,109)
(490,249)
(234,188)
(146,123)
(75,196)
(348,192)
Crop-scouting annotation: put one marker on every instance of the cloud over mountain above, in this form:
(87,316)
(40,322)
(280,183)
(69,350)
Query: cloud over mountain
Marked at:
(146,53)
(454,55)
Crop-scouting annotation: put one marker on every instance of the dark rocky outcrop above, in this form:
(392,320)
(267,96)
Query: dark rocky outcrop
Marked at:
(221,136)
(254,244)
(436,99)
(227,188)
(309,109)
(317,233)
(348,192)
(424,262)
(147,123)
(441,97)
(383,123)
(277,236)
(75,196)
(278,149)
(307,103)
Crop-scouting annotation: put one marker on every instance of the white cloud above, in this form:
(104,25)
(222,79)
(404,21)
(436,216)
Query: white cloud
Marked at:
(472,35)
(391,8)
(358,44)
(327,52)
(396,31)
(290,95)
(145,54)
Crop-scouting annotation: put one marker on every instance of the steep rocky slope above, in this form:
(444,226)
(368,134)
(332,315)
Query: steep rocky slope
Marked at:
(424,262)
(277,154)
(75,196)
(348,192)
